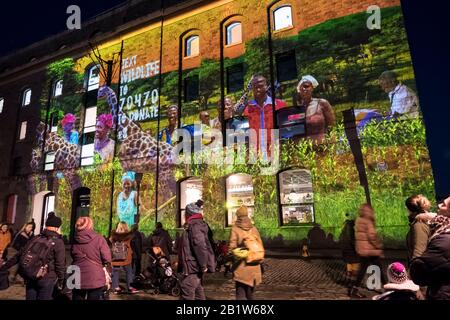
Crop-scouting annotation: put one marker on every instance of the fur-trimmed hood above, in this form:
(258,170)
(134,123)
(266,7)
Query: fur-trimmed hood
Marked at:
(425,217)
(121,236)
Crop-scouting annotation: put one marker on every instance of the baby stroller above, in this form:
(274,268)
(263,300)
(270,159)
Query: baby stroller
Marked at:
(222,256)
(159,277)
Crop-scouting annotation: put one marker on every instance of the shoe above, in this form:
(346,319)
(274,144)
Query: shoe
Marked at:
(354,293)
(133,290)
(117,291)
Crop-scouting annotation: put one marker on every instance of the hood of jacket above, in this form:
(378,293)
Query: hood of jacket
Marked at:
(244,223)
(85,236)
(49,233)
(425,217)
(121,236)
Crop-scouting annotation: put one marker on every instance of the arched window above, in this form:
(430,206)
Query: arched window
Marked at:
(234,33)
(192,46)
(48,206)
(2,103)
(26,97)
(93,78)
(10,213)
(282,17)
(191,190)
(296,197)
(239,190)
(58,88)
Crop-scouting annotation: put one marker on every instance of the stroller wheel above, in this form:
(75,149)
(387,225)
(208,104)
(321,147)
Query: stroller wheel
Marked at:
(176,291)
(156,291)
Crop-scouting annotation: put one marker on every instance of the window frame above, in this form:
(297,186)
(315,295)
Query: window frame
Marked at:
(87,131)
(23,130)
(274,17)
(24,97)
(60,81)
(92,87)
(2,104)
(228,34)
(186,46)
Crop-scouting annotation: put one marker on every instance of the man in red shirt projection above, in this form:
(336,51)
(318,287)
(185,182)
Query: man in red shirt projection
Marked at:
(259,113)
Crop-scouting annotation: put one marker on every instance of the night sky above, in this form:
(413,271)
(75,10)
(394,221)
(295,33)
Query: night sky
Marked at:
(24,22)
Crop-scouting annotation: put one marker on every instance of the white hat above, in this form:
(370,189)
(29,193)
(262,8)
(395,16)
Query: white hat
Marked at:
(308,78)
(398,278)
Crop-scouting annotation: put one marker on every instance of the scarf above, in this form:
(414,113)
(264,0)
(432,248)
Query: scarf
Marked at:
(194,216)
(439,225)
(244,223)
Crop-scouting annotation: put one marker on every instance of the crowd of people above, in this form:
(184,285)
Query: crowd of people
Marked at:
(428,252)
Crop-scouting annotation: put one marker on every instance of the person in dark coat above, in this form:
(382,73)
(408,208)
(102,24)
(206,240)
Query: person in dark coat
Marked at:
(399,287)
(43,288)
(19,242)
(161,238)
(137,245)
(91,254)
(432,268)
(349,255)
(196,256)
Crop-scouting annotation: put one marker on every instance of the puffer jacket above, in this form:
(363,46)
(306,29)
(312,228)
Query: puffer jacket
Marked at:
(418,234)
(196,250)
(90,252)
(432,268)
(123,237)
(367,242)
(250,275)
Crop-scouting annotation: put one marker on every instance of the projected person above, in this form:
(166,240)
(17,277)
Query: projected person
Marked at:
(319,113)
(128,199)
(217,122)
(404,101)
(169,134)
(103,145)
(68,124)
(259,112)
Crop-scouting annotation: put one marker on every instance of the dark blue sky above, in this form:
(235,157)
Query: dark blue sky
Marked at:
(25,22)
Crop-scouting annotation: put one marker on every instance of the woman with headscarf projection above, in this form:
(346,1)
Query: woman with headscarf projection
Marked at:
(103,144)
(319,113)
(68,124)
(127,201)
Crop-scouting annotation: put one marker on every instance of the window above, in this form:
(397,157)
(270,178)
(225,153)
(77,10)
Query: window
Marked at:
(49,161)
(296,197)
(26,97)
(87,149)
(234,33)
(11,209)
(93,78)
(191,89)
(192,46)
(282,17)
(191,190)
(54,122)
(2,102)
(58,88)
(23,130)
(235,78)
(286,66)
(48,206)
(239,189)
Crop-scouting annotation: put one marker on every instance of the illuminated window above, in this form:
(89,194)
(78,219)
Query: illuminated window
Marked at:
(93,78)
(23,130)
(87,149)
(239,190)
(234,33)
(282,17)
(192,46)
(191,190)
(26,97)
(296,197)
(58,88)
(11,209)
(2,102)
(54,122)
(49,161)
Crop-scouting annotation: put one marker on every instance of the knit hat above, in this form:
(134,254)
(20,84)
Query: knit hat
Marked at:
(53,220)
(68,118)
(242,212)
(193,208)
(129,175)
(84,223)
(398,278)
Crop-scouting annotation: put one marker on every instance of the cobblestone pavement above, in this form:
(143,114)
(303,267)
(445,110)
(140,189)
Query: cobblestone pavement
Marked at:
(284,279)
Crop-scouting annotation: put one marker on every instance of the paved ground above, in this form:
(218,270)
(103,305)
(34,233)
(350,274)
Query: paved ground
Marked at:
(286,278)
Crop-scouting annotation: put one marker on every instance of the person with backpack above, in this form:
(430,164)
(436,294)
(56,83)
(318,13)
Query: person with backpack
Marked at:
(161,239)
(122,256)
(195,254)
(19,242)
(42,262)
(137,246)
(90,252)
(247,246)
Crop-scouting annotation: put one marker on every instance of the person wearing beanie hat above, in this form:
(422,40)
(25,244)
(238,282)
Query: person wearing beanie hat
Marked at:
(50,240)
(246,275)
(128,199)
(399,286)
(432,268)
(103,144)
(68,124)
(91,253)
(196,254)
